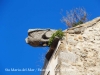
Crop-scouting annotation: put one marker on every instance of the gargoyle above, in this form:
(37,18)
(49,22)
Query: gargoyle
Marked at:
(39,37)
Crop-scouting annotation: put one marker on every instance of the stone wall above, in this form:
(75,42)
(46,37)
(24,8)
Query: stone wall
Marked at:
(78,53)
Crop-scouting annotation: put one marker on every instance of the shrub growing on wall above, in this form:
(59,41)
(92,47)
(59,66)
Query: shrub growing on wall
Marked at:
(75,17)
(58,34)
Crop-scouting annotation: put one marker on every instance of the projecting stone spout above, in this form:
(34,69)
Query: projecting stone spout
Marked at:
(39,37)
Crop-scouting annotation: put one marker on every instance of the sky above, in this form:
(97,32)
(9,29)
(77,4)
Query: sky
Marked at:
(17,16)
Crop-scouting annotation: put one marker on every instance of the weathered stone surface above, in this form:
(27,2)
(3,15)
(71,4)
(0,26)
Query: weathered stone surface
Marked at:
(39,37)
(79,52)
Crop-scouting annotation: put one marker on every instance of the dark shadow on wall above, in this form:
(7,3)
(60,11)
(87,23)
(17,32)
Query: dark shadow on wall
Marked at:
(52,49)
(50,53)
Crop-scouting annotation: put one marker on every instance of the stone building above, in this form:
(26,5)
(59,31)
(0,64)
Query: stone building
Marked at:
(77,53)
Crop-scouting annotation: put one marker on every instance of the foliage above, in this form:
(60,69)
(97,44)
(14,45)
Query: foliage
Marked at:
(59,34)
(78,23)
(75,17)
